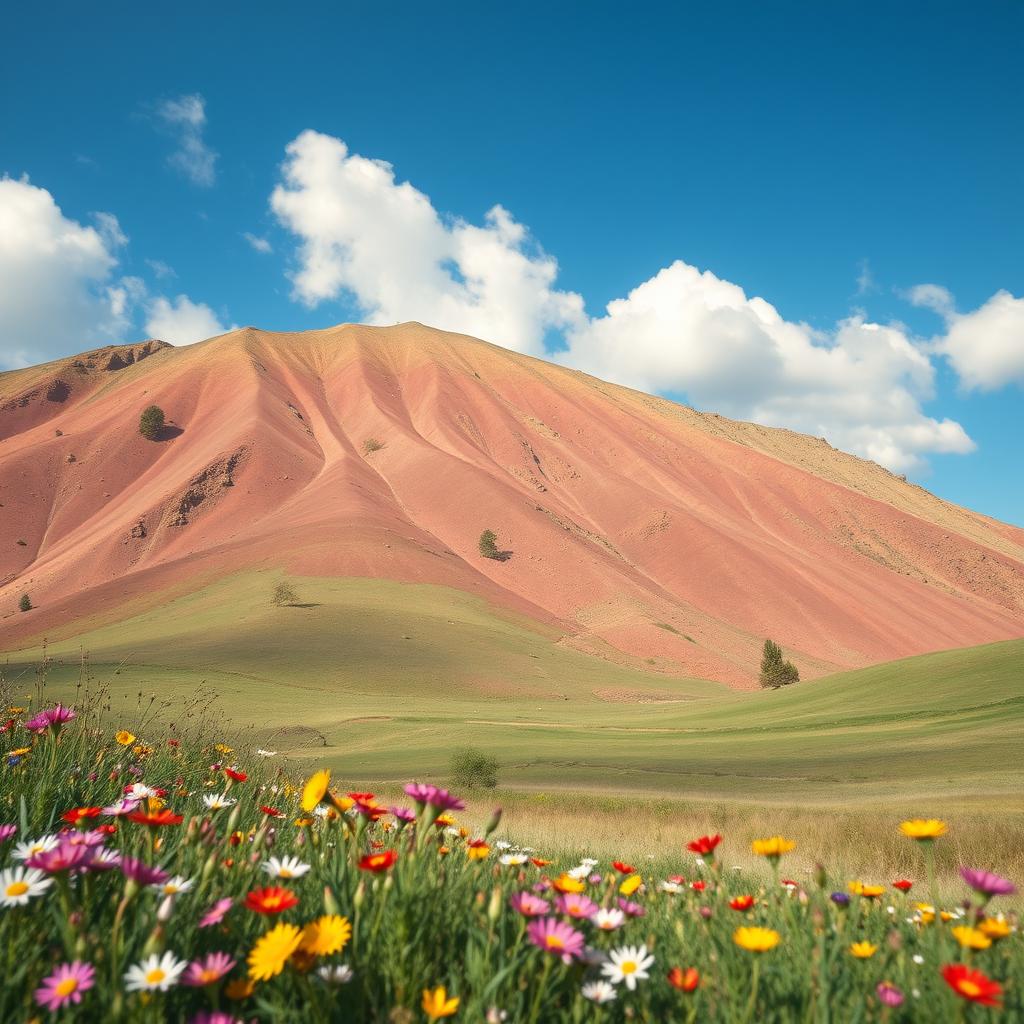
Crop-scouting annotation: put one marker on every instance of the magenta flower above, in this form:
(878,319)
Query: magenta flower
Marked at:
(138,871)
(631,909)
(889,995)
(216,913)
(65,985)
(420,792)
(51,718)
(91,838)
(405,814)
(576,905)
(63,857)
(6,831)
(214,1017)
(527,904)
(125,806)
(556,937)
(987,883)
(440,799)
(208,970)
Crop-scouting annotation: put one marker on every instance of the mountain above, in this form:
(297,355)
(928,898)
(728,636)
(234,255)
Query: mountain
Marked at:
(634,527)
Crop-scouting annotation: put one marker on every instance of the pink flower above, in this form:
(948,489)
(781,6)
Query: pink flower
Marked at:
(138,871)
(440,799)
(51,718)
(403,813)
(216,913)
(556,937)
(527,904)
(575,905)
(214,1017)
(125,806)
(889,995)
(987,883)
(6,831)
(65,985)
(631,909)
(63,857)
(207,970)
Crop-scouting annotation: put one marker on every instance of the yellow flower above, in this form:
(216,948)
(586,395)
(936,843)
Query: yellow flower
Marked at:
(444,819)
(124,737)
(863,950)
(436,1003)
(566,883)
(756,940)
(628,887)
(923,829)
(328,934)
(16,711)
(776,846)
(995,927)
(223,748)
(315,789)
(925,912)
(868,891)
(20,752)
(971,938)
(272,951)
(478,852)
(303,822)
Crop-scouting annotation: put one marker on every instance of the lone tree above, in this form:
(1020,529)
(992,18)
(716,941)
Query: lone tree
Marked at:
(25,604)
(775,670)
(470,768)
(151,422)
(489,545)
(284,594)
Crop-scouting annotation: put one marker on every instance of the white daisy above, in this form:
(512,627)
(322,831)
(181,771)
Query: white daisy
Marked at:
(286,867)
(335,974)
(19,885)
(578,873)
(140,791)
(609,919)
(589,862)
(628,964)
(503,844)
(598,991)
(670,887)
(31,847)
(512,859)
(154,973)
(218,801)
(174,886)
(266,753)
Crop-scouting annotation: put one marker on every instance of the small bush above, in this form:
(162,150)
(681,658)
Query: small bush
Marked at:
(151,422)
(776,671)
(471,768)
(284,594)
(371,445)
(25,604)
(489,545)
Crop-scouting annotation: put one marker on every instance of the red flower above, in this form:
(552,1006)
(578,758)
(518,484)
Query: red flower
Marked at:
(107,830)
(361,798)
(155,819)
(685,981)
(271,812)
(76,814)
(623,868)
(237,776)
(698,886)
(741,902)
(677,879)
(705,845)
(903,885)
(972,985)
(174,743)
(539,862)
(378,862)
(271,900)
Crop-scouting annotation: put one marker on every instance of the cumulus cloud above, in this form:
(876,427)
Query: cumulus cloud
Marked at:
(364,234)
(259,244)
(58,291)
(185,118)
(182,321)
(930,296)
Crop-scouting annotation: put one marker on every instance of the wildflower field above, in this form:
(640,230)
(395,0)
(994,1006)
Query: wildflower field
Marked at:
(151,876)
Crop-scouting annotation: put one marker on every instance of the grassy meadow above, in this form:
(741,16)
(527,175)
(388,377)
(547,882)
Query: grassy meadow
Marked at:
(382,681)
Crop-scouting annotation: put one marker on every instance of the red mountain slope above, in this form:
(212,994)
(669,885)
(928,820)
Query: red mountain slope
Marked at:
(624,513)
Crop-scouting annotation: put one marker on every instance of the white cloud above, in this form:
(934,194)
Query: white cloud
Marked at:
(160,269)
(930,296)
(182,321)
(56,292)
(259,244)
(363,234)
(185,118)
(986,347)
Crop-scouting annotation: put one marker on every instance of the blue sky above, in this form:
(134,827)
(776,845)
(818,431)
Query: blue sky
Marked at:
(828,161)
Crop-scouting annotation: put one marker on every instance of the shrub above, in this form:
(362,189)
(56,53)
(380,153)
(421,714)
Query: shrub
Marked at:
(489,545)
(775,671)
(25,604)
(284,594)
(151,422)
(470,768)
(371,445)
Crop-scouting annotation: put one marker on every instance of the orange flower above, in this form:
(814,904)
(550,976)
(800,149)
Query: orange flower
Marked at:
(741,902)
(378,862)
(972,985)
(272,900)
(685,981)
(76,814)
(566,883)
(539,862)
(154,819)
(477,849)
